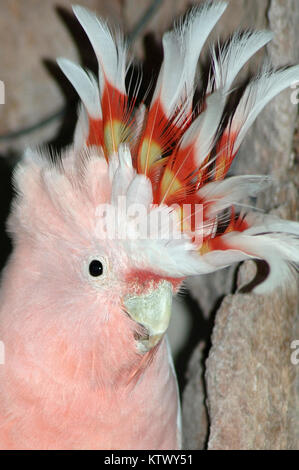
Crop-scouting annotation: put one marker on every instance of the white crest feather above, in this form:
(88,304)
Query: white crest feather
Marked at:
(276,242)
(233,56)
(257,95)
(182,48)
(202,131)
(110,52)
(276,249)
(228,192)
(85,84)
(140,191)
(82,128)
(123,174)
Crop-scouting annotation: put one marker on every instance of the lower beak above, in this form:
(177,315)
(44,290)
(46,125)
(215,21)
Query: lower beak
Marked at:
(152,311)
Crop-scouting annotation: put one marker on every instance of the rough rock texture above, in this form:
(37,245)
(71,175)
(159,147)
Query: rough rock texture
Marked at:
(252,386)
(195,418)
(250,378)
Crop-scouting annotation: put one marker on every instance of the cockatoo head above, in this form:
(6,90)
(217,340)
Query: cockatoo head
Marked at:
(90,258)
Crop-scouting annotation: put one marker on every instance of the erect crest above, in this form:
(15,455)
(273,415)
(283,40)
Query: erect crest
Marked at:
(184,153)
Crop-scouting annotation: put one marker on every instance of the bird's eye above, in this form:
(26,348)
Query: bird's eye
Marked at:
(96,268)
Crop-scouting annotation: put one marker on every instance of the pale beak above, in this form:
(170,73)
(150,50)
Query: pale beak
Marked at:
(152,311)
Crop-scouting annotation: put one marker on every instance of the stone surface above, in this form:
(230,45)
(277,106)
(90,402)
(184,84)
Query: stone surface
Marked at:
(195,418)
(249,375)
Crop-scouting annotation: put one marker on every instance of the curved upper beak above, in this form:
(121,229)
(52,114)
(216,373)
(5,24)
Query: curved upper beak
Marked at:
(152,311)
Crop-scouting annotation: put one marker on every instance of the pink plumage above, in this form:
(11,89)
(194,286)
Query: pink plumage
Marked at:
(84,311)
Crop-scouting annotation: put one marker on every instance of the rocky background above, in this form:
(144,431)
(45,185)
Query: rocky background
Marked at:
(240,389)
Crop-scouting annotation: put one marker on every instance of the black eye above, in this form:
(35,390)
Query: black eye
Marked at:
(96,268)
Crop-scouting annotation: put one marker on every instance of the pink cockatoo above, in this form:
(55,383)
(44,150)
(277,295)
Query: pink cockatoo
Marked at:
(86,294)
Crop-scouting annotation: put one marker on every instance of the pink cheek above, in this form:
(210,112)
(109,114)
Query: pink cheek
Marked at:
(141,282)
